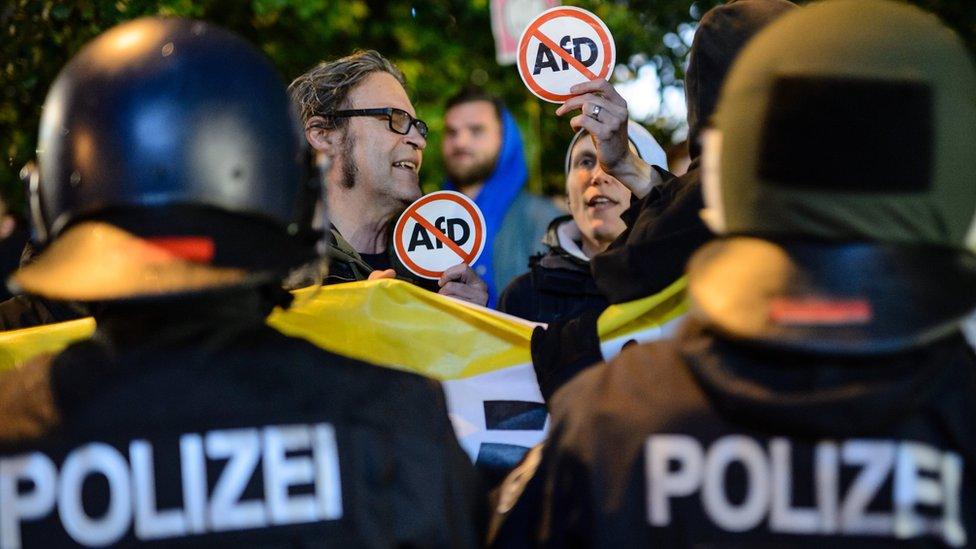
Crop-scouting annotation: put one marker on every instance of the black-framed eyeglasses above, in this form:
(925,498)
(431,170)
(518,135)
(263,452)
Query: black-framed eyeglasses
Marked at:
(400,120)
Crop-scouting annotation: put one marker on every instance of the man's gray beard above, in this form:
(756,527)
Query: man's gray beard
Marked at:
(350,173)
(349,168)
(477,173)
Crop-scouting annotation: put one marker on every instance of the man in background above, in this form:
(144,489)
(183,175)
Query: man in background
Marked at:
(483,158)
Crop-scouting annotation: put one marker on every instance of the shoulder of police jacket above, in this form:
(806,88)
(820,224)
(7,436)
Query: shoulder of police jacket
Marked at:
(386,383)
(27,406)
(623,388)
(389,374)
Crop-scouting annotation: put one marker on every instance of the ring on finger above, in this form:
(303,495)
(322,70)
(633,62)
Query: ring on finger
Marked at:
(595,112)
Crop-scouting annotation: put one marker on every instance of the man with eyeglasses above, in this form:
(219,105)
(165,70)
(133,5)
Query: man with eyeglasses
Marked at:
(357,114)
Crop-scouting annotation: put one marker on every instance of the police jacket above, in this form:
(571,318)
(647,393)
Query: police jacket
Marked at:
(188,422)
(863,437)
(558,285)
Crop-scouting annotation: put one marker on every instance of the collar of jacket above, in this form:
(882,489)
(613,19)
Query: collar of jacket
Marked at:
(817,395)
(345,263)
(559,270)
(555,238)
(831,298)
(155,322)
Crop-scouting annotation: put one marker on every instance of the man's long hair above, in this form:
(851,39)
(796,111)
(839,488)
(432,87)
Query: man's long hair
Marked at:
(325,87)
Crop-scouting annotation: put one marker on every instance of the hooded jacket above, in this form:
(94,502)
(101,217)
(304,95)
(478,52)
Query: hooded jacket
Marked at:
(559,284)
(515,219)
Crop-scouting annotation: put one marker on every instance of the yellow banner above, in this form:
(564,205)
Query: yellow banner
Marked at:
(391,322)
(638,315)
(17,346)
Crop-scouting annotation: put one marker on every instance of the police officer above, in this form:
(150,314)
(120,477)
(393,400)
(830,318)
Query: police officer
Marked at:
(820,393)
(170,162)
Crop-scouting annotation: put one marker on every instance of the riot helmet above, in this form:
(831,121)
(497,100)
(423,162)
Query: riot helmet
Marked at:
(847,120)
(841,171)
(170,159)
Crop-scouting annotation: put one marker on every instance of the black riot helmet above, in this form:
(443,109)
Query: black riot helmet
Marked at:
(170,158)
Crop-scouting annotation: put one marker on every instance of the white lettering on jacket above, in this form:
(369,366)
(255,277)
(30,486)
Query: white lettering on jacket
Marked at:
(923,499)
(33,486)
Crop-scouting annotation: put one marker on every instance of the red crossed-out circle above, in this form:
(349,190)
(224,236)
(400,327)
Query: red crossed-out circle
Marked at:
(532,31)
(412,213)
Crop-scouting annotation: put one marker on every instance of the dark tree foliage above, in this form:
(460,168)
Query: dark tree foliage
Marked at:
(441,45)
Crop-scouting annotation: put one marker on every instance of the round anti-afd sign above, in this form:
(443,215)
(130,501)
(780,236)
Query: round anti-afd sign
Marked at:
(562,47)
(438,231)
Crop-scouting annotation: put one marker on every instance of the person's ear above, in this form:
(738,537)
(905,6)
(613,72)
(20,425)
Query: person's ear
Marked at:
(320,137)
